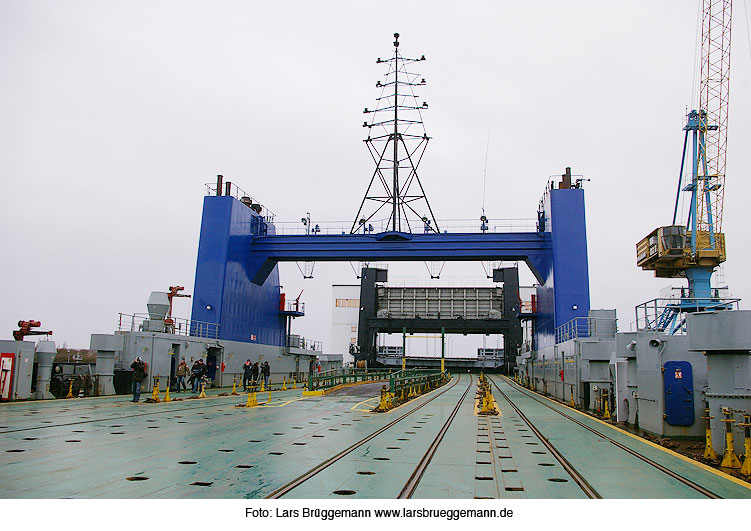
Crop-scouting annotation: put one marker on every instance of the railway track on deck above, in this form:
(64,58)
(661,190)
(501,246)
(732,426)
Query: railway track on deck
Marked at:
(414,479)
(578,478)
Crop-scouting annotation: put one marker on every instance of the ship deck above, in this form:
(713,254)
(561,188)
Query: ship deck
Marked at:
(334,446)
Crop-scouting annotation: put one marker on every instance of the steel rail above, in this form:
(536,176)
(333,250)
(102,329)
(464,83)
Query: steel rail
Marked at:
(702,490)
(414,479)
(284,489)
(584,485)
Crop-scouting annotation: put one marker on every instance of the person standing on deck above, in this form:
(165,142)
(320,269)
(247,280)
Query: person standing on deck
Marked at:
(255,372)
(247,375)
(182,373)
(266,373)
(195,375)
(139,373)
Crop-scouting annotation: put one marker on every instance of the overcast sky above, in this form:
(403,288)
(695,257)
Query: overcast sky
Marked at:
(115,114)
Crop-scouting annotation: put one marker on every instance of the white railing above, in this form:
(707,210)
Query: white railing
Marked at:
(183,327)
(375,227)
(586,327)
(304,344)
(241,195)
(669,314)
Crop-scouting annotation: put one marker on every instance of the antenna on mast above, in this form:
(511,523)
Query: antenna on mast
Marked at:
(396,141)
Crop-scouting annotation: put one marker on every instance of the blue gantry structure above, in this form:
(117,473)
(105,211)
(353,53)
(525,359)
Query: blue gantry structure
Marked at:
(237,279)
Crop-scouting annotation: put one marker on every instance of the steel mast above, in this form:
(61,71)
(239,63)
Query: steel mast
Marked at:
(402,115)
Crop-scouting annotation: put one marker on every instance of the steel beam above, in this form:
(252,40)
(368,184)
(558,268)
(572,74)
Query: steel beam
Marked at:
(531,247)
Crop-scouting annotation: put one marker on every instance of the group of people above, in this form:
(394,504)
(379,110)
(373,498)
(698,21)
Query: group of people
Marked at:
(196,375)
(252,372)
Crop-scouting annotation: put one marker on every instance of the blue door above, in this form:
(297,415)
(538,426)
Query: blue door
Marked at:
(679,393)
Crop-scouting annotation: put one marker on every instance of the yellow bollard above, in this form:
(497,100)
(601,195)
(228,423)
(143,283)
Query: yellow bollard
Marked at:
(284,383)
(203,392)
(746,468)
(487,404)
(269,395)
(252,399)
(729,460)
(385,403)
(262,388)
(294,383)
(571,402)
(234,386)
(155,390)
(166,394)
(606,401)
(70,390)
(709,452)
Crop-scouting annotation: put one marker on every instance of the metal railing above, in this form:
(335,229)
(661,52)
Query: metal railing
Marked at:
(294,306)
(669,314)
(241,195)
(400,382)
(183,327)
(388,314)
(304,344)
(331,378)
(446,225)
(586,327)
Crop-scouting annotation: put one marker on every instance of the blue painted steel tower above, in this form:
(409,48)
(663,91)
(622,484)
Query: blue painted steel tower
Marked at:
(223,292)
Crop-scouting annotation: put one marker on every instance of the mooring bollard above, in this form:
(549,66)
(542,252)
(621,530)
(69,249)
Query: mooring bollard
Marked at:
(155,389)
(203,391)
(746,468)
(252,399)
(234,385)
(729,459)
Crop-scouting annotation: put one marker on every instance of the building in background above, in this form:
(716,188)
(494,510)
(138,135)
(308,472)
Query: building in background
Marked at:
(345,311)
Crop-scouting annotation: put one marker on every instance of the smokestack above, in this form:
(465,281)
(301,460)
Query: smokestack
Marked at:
(219,184)
(228,188)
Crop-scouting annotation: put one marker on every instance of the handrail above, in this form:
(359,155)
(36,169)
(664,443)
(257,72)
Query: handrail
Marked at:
(586,327)
(175,325)
(334,377)
(378,226)
(667,314)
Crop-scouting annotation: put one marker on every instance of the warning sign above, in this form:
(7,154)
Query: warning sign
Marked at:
(678,374)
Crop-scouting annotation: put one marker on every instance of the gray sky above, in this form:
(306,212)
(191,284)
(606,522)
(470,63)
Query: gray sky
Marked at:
(115,114)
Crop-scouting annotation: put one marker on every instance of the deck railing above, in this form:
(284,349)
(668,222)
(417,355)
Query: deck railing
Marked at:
(332,378)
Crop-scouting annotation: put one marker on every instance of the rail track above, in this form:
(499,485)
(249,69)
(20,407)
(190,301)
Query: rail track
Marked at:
(414,479)
(578,478)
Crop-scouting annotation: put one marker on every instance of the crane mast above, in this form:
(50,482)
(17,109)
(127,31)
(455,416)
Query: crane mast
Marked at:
(694,248)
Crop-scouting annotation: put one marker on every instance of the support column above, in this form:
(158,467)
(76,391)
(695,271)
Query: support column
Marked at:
(404,348)
(443,348)
(46,351)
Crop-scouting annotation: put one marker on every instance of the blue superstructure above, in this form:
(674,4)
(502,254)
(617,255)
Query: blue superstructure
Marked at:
(237,279)
(223,291)
(564,285)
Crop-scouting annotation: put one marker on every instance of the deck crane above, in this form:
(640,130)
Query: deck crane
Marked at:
(693,249)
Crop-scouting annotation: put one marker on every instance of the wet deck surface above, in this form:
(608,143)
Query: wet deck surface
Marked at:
(208,448)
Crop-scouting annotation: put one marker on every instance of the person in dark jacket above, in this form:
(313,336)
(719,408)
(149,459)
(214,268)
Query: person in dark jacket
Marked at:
(247,375)
(139,373)
(196,373)
(254,372)
(266,373)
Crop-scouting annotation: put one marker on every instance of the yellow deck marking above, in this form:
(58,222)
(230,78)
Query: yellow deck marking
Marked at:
(280,403)
(364,402)
(650,443)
